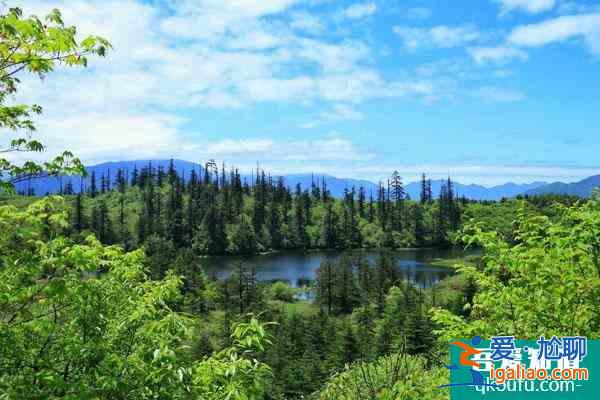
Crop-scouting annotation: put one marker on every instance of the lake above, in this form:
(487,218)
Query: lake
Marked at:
(296,267)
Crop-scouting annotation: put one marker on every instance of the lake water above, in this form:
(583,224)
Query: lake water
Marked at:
(297,267)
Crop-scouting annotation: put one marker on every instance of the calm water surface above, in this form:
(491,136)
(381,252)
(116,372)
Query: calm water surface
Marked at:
(297,267)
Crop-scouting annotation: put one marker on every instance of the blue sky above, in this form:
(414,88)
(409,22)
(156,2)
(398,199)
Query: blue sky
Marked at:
(487,91)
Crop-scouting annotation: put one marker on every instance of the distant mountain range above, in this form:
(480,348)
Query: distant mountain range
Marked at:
(582,188)
(334,184)
(476,192)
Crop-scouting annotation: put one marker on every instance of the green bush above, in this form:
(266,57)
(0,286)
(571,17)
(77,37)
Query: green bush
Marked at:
(281,291)
(393,377)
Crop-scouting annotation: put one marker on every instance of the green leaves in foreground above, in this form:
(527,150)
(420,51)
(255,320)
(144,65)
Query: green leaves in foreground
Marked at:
(547,283)
(81,320)
(388,378)
(35,46)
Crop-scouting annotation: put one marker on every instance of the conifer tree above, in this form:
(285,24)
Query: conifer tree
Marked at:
(419,225)
(364,318)
(398,194)
(210,238)
(349,345)
(329,236)
(424,190)
(274,225)
(134,176)
(101,223)
(242,238)
(301,238)
(361,201)
(175,214)
(345,290)
(68,190)
(325,284)
(78,213)
(371,209)
(93,187)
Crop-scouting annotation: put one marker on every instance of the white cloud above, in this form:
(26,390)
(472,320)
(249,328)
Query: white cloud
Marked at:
(235,8)
(231,147)
(529,6)
(343,57)
(360,10)
(306,22)
(586,26)
(343,112)
(99,137)
(280,154)
(200,55)
(310,124)
(338,112)
(574,7)
(498,95)
(417,13)
(440,36)
(207,54)
(497,55)
(221,65)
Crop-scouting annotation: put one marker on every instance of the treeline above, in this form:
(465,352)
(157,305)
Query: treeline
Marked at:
(215,212)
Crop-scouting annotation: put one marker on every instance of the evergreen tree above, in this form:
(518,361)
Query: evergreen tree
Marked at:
(424,190)
(345,289)
(93,187)
(78,213)
(325,284)
(210,238)
(134,176)
(175,215)
(371,209)
(274,225)
(121,187)
(364,318)
(101,223)
(419,225)
(349,345)
(242,238)
(361,201)
(398,194)
(329,236)
(301,237)
(68,190)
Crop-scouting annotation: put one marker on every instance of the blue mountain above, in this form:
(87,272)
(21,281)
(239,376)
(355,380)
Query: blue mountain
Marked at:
(336,186)
(52,185)
(582,188)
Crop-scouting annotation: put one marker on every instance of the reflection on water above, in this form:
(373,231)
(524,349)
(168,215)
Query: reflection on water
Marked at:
(299,268)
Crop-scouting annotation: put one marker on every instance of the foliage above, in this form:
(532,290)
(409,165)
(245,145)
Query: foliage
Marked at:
(281,291)
(37,47)
(393,377)
(548,283)
(235,373)
(81,320)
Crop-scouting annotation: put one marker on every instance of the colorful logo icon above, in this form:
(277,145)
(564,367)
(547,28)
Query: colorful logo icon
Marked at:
(467,352)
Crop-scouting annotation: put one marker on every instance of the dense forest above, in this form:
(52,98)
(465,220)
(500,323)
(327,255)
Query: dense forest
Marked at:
(103,293)
(152,323)
(214,212)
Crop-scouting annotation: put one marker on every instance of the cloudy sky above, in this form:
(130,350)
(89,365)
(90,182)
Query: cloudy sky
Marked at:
(487,91)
